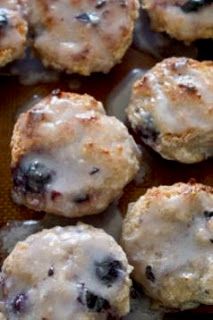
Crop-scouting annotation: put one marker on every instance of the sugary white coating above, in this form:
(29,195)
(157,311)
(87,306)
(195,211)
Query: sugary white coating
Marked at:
(168,238)
(186,20)
(13,31)
(76,272)
(82,36)
(69,157)
(172,109)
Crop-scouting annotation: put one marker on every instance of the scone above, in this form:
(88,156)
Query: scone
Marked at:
(168,237)
(13,31)
(82,36)
(186,20)
(171,109)
(69,157)
(66,273)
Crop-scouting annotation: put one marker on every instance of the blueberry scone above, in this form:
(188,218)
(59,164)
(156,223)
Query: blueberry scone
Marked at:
(13,31)
(82,36)
(69,157)
(168,237)
(186,20)
(171,109)
(66,273)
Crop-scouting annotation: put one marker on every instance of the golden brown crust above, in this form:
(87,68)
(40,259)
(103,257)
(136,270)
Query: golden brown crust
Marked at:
(167,16)
(13,36)
(167,235)
(84,246)
(25,135)
(89,157)
(177,95)
(81,45)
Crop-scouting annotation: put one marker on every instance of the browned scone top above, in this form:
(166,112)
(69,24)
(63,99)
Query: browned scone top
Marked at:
(82,36)
(27,134)
(76,272)
(168,238)
(186,20)
(13,31)
(69,157)
(172,109)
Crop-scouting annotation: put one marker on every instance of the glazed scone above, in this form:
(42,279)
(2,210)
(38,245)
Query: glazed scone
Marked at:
(82,36)
(76,272)
(171,109)
(13,31)
(186,20)
(69,157)
(168,237)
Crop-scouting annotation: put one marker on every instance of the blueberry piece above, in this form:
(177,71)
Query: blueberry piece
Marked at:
(195,5)
(3,18)
(19,303)
(38,175)
(91,301)
(51,272)
(208,214)
(84,17)
(147,129)
(123,3)
(100,4)
(91,18)
(149,274)
(108,271)
(55,195)
(134,292)
(32,178)
(94,171)
(2,280)
(81,198)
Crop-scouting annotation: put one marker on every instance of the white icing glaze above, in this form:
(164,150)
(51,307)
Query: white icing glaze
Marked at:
(171,108)
(165,113)
(203,17)
(72,253)
(171,233)
(118,99)
(97,37)
(167,15)
(76,137)
(10,35)
(188,115)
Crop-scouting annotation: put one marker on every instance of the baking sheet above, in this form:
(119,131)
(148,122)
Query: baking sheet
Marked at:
(113,90)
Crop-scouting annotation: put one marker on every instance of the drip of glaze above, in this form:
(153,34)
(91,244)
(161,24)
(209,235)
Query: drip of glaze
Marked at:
(30,71)
(13,232)
(195,5)
(28,104)
(140,307)
(118,99)
(159,45)
(19,230)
